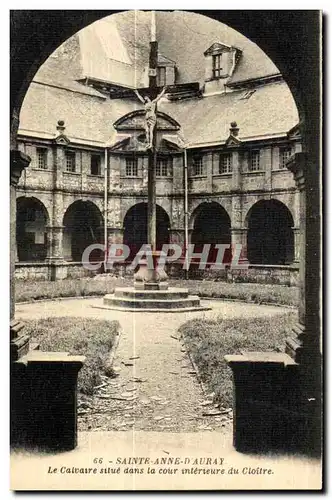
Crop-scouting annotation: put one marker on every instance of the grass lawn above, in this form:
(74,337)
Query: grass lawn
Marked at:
(89,337)
(208,341)
(248,292)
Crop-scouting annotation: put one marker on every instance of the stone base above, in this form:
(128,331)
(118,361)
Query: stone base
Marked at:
(152,300)
(274,409)
(43,400)
(143,285)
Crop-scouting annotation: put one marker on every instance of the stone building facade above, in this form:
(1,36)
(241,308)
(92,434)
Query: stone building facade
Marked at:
(226,127)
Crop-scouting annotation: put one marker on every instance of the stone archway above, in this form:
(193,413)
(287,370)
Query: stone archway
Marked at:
(135,228)
(83,226)
(31,227)
(270,238)
(297,54)
(211,225)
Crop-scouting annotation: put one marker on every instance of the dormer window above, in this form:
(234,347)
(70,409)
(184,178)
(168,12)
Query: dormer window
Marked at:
(216,66)
(220,63)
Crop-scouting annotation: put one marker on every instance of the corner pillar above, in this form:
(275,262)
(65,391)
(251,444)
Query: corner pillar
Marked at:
(19,343)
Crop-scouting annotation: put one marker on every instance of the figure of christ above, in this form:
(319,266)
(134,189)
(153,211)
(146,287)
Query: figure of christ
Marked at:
(150,115)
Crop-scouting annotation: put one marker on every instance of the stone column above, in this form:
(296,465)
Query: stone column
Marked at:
(19,343)
(55,230)
(236,173)
(266,158)
(304,346)
(43,386)
(239,237)
(277,396)
(208,161)
(297,240)
(238,233)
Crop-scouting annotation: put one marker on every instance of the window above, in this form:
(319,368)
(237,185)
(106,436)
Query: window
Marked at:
(216,66)
(161,76)
(225,163)
(70,161)
(131,167)
(284,154)
(162,167)
(254,160)
(95,165)
(42,158)
(197,165)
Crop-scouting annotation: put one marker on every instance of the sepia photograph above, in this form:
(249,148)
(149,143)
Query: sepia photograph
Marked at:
(166,250)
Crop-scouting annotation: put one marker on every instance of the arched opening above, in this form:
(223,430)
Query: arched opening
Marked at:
(31,222)
(83,226)
(212,225)
(270,237)
(136,230)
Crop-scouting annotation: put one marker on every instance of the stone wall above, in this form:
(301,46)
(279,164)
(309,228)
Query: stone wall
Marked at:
(283,275)
(40,271)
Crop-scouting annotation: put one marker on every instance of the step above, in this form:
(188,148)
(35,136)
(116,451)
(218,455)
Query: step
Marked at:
(190,301)
(169,294)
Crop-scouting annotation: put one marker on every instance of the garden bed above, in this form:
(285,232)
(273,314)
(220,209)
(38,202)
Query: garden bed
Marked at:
(89,337)
(208,341)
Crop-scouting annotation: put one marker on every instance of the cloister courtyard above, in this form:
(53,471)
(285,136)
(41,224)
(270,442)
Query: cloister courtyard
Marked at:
(162,386)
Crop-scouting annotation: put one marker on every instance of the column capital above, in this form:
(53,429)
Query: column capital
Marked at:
(18,162)
(296,165)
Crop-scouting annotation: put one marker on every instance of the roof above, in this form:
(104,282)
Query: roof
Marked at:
(121,42)
(193,34)
(86,117)
(269,111)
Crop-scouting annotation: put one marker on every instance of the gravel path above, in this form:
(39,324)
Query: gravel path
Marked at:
(156,388)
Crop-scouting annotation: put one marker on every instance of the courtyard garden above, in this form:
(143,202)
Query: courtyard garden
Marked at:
(87,287)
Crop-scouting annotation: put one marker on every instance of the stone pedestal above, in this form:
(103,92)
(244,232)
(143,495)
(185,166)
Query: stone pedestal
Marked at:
(150,277)
(272,409)
(44,400)
(151,292)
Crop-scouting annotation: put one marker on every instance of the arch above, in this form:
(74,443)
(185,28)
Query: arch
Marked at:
(31,226)
(211,225)
(83,226)
(270,238)
(135,227)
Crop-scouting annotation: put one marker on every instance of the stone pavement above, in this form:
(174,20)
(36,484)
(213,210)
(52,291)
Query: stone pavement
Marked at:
(157,388)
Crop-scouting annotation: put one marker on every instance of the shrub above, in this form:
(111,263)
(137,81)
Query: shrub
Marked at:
(208,341)
(89,337)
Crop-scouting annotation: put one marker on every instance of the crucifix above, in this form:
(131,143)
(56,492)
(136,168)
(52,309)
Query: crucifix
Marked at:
(150,106)
(151,277)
